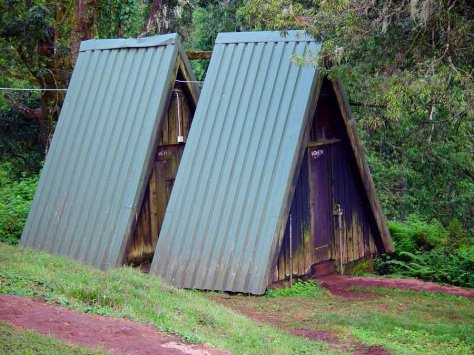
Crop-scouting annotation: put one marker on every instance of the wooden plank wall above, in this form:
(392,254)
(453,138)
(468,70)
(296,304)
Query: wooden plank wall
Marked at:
(302,249)
(359,229)
(163,173)
(384,240)
(358,224)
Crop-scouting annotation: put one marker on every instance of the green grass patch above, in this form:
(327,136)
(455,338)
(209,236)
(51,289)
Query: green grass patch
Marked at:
(299,288)
(418,322)
(19,341)
(128,293)
(403,322)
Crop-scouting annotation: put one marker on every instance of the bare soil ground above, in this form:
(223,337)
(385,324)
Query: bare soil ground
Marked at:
(354,346)
(111,334)
(342,285)
(295,319)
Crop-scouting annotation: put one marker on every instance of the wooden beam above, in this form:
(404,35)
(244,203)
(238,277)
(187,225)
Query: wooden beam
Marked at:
(363,166)
(193,55)
(323,142)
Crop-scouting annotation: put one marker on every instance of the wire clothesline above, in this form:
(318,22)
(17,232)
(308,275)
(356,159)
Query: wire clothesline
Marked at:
(50,89)
(189,81)
(31,89)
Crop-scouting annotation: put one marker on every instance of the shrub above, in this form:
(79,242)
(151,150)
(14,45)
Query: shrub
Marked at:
(438,265)
(415,234)
(430,252)
(457,235)
(15,201)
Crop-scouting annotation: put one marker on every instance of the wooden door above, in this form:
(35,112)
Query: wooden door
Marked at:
(154,203)
(321,200)
(167,162)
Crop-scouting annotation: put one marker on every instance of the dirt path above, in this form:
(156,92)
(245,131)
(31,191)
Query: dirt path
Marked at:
(112,334)
(340,285)
(315,317)
(292,316)
(354,346)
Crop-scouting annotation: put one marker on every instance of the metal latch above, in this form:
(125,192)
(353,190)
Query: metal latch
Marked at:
(337,212)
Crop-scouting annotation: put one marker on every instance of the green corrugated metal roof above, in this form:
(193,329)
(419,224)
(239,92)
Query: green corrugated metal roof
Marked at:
(230,199)
(95,172)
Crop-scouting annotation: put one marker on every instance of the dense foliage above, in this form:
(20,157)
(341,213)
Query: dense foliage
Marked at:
(15,200)
(430,252)
(407,66)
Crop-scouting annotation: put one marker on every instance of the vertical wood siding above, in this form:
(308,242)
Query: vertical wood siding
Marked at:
(302,243)
(358,224)
(337,180)
(160,184)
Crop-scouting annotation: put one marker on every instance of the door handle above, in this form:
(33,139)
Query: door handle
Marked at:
(337,212)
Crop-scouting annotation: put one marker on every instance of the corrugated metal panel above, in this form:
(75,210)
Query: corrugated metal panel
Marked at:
(93,178)
(229,204)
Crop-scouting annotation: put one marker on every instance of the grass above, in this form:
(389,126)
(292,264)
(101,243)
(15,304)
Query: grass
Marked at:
(128,293)
(18,341)
(400,321)
(300,288)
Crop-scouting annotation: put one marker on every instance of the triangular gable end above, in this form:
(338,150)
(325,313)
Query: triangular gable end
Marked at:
(163,164)
(332,172)
(90,186)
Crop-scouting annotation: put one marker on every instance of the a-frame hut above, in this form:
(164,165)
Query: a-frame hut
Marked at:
(273,145)
(114,155)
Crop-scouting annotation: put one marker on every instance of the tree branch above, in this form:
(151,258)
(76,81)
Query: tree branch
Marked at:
(430,119)
(365,104)
(36,113)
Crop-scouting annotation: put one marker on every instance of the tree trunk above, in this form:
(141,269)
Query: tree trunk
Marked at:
(151,18)
(84,27)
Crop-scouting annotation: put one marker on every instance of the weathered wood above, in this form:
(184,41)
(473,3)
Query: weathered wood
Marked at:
(287,256)
(153,208)
(302,242)
(162,175)
(298,163)
(347,182)
(323,142)
(321,201)
(336,181)
(191,89)
(354,236)
(360,240)
(160,195)
(164,132)
(147,237)
(362,166)
(373,249)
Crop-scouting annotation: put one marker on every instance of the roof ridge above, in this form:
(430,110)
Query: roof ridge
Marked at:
(152,41)
(264,36)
